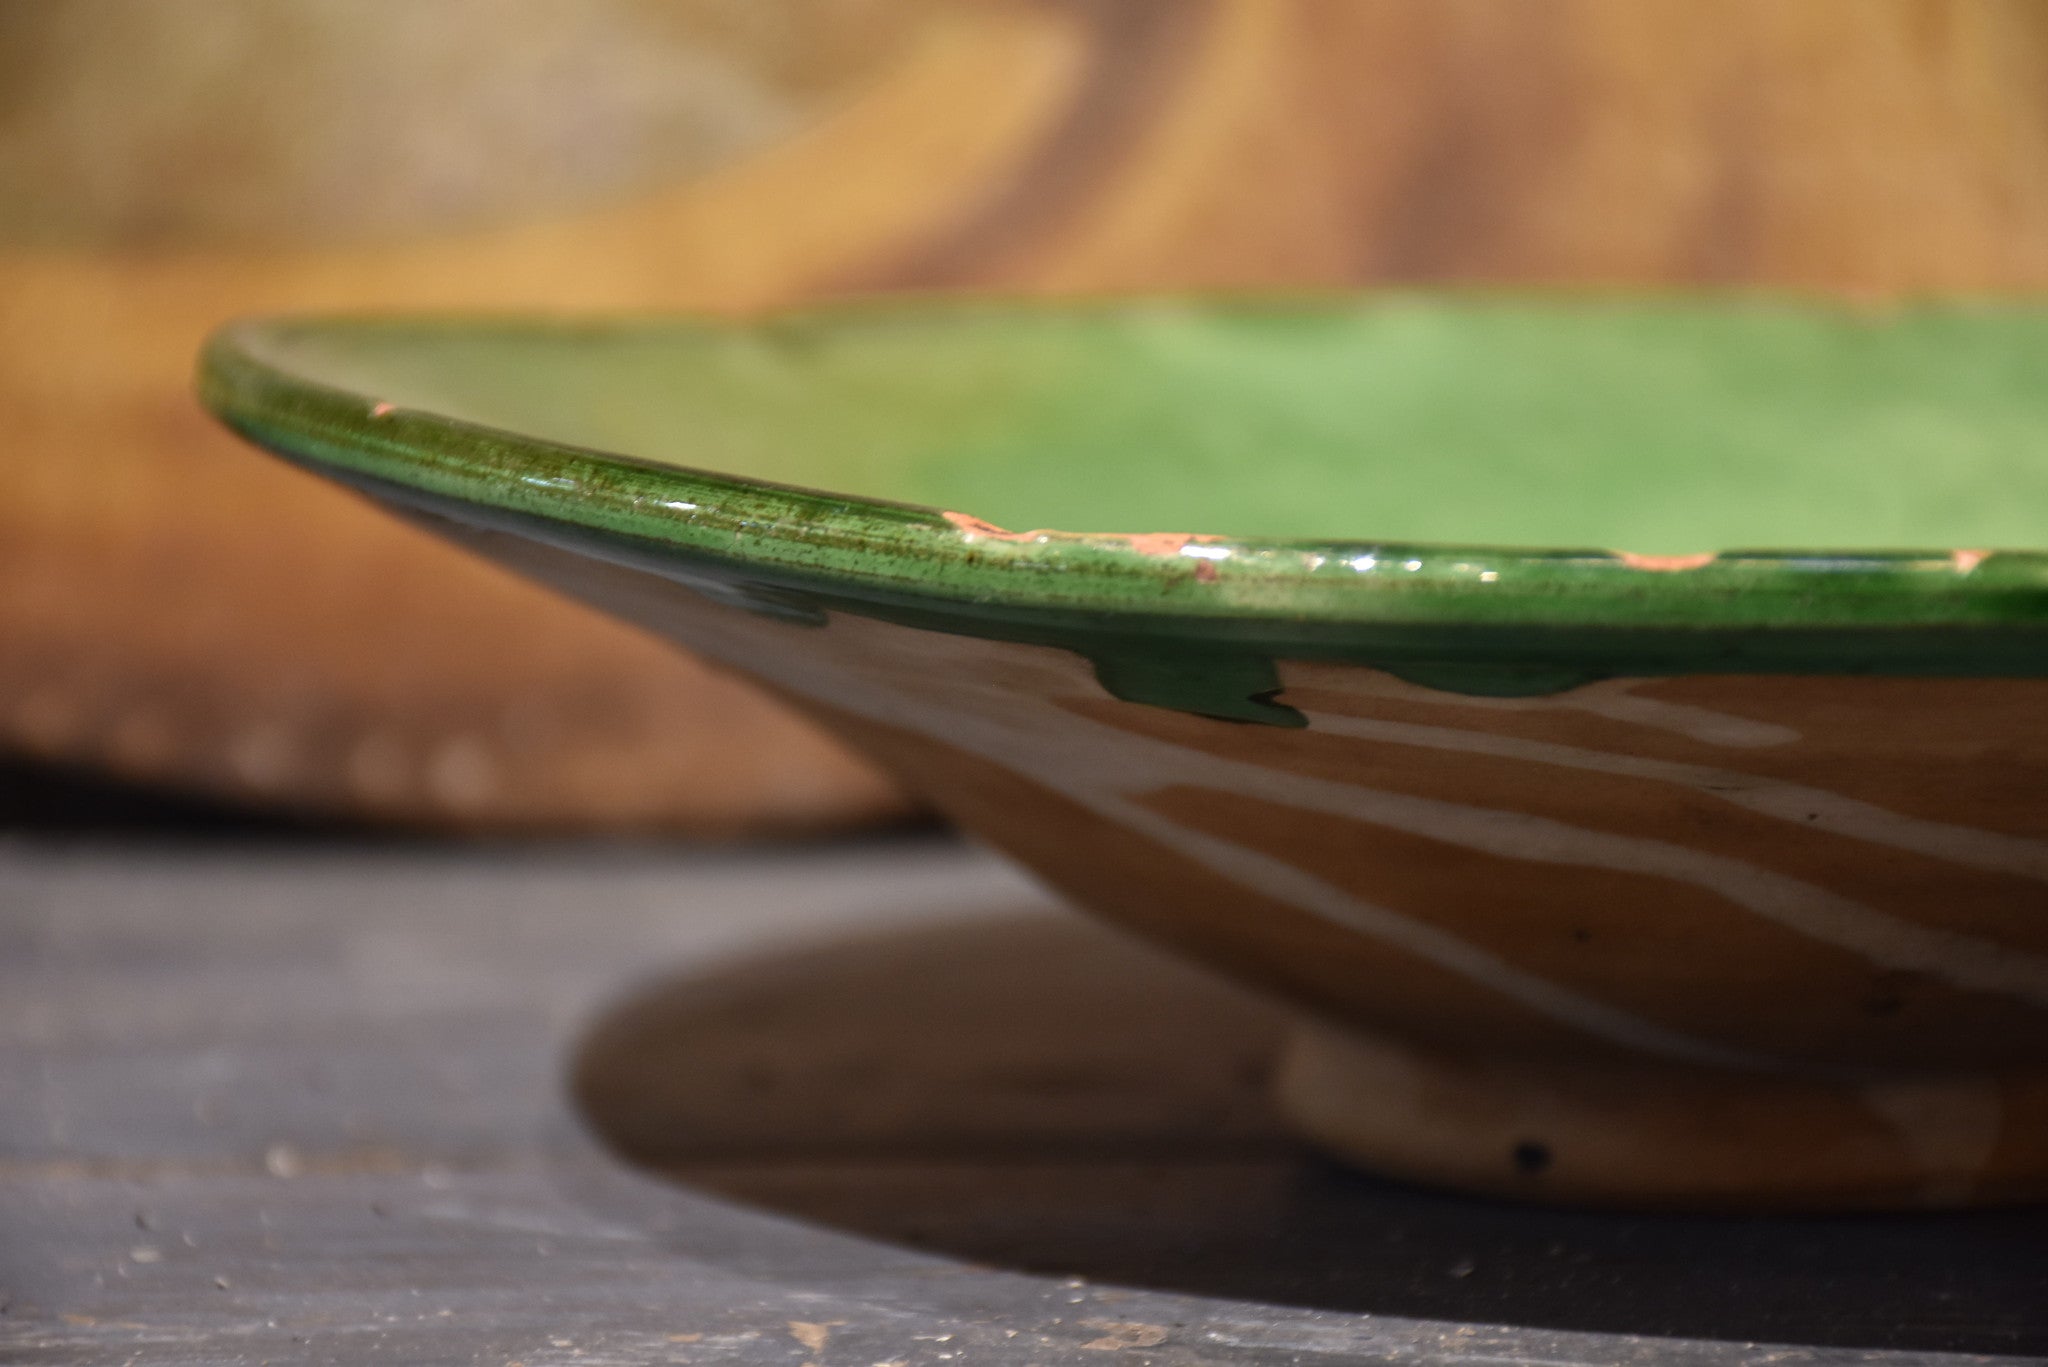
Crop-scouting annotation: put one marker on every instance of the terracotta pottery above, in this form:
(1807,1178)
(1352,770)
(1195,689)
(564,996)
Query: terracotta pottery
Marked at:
(1615,724)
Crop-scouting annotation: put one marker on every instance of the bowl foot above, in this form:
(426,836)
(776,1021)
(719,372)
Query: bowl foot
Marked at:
(1597,1132)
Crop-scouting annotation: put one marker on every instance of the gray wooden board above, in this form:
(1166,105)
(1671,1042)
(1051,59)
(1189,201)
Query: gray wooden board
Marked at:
(885,1104)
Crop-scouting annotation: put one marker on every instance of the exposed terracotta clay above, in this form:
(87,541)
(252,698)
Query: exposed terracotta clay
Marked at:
(1665,564)
(1162,544)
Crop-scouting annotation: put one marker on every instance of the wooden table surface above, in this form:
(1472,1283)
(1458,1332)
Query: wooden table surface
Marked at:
(320,1101)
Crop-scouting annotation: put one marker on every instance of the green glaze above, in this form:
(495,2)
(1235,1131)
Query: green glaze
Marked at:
(1393,480)
(1225,685)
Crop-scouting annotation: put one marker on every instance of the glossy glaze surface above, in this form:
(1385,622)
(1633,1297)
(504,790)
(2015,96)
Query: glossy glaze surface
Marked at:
(1664,429)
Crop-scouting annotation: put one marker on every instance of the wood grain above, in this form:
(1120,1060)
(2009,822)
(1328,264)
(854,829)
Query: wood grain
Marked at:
(178,608)
(175,609)
(311,1108)
(1833,145)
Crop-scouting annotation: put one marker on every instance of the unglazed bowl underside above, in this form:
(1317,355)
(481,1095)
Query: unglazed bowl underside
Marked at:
(1614,725)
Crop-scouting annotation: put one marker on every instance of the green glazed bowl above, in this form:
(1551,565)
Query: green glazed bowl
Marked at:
(1615,726)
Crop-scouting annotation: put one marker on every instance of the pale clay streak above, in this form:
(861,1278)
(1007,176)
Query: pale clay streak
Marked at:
(1686,720)
(1065,752)
(1030,735)
(1814,808)
(1798,906)
(1262,873)
(1952,1136)
(1611,699)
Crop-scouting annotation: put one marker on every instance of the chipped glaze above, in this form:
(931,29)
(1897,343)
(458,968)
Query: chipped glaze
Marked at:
(1708,879)
(1144,543)
(1665,564)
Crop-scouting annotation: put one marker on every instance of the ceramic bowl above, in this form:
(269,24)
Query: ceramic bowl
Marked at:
(1446,667)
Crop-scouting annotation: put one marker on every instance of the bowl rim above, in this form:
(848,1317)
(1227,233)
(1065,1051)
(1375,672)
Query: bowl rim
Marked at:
(1596,612)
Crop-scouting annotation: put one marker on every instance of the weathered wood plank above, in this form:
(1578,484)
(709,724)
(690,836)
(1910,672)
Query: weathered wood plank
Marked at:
(341,1105)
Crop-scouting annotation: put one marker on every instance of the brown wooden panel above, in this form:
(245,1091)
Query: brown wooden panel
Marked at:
(175,609)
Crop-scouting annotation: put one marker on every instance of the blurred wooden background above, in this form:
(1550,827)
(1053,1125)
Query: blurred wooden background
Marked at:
(174,609)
